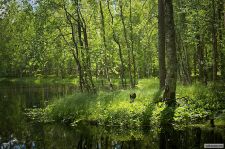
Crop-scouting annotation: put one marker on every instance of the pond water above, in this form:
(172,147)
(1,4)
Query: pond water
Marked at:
(15,98)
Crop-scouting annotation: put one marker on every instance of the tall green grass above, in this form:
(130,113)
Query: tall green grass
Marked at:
(114,108)
(106,108)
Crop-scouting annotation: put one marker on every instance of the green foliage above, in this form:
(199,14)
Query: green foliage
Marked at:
(114,108)
(36,39)
(42,80)
(105,108)
(202,101)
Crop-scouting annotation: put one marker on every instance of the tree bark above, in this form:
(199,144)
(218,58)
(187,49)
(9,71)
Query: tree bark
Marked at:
(224,15)
(161,43)
(132,48)
(76,52)
(214,42)
(200,57)
(106,61)
(220,42)
(89,80)
(81,53)
(88,59)
(171,76)
(122,67)
(127,44)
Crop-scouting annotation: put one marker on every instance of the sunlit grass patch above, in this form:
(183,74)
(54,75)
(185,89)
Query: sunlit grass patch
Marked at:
(50,80)
(114,108)
(110,108)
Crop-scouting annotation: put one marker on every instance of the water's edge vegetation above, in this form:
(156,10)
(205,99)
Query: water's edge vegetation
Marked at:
(196,104)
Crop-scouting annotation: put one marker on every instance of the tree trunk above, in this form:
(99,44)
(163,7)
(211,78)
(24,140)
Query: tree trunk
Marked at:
(200,57)
(220,42)
(224,15)
(122,67)
(127,44)
(161,43)
(81,45)
(171,76)
(132,48)
(214,42)
(183,59)
(106,61)
(76,52)
(89,80)
(195,63)
(88,60)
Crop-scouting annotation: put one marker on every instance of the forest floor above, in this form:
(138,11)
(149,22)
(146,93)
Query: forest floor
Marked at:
(196,104)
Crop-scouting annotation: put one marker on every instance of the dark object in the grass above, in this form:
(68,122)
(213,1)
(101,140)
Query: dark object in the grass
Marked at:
(132,97)
(212,122)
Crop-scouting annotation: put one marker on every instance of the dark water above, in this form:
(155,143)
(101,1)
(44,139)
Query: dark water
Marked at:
(15,98)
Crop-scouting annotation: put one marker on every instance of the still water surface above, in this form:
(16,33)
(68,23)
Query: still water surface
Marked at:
(15,98)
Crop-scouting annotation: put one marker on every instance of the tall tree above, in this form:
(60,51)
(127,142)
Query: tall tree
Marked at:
(220,42)
(106,61)
(171,76)
(117,41)
(214,42)
(127,44)
(132,47)
(183,54)
(161,43)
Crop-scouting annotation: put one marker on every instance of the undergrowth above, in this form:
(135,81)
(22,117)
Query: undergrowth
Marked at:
(114,108)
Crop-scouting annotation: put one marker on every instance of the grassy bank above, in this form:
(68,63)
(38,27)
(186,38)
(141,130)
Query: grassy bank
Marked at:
(114,108)
(41,80)
(100,84)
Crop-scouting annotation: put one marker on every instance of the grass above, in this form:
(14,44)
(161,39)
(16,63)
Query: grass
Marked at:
(105,108)
(53,80)
(114,108)
(41,80)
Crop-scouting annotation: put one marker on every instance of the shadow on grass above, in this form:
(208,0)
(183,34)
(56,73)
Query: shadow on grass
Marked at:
(147,114)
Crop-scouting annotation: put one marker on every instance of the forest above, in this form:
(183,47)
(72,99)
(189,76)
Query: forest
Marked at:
(129,64)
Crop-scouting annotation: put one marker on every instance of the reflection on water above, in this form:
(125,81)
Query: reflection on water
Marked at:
(14,98)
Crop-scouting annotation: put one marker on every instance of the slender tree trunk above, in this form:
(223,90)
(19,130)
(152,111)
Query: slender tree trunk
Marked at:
(183,61)
(127,44)
(132,48)
(224,15)
(122,67)
(89,81)
(76,52)
(195,62)
(106,62)
(187,68)
(161,43)
(81,53)
(220,42)
(200,57)
(81,45)
(88,60)
(171,76)
(214,42)
(145,68)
